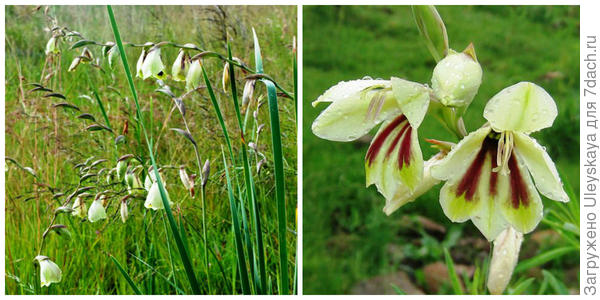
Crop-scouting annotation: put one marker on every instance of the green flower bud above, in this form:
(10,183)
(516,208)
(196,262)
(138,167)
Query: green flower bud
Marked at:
(52,46)
(121,169)
(456,78)
(113,55)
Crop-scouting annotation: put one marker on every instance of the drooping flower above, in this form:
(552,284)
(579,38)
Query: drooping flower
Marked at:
(225,79)
(49,271)
(113,55)
(153,65)
(194,75)
(179,68)
(121,169)
(154,200)
(504,259)
(496,190)
(79,208)
(140,63)
(52,46)
(97,211)
(124,211)
(186,180)
(134,185)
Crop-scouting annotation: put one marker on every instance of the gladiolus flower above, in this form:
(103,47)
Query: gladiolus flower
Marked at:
(248,93)
(79,207)
(52,46)
(394,162)
(179,66)
(97,211)
(49,271)
(113,55)
(140,63)
(194,75)
(154,200)
(504,259)
(186,180)
(124,211)
(121,169)
(495,189)
(226,77)
(153,65)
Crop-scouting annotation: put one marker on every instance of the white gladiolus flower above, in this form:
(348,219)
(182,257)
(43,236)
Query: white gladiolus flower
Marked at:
(52,46)
(194,75)
(97,211)
(153,65)
(148,183)
(139,64)
(124,211)
(180,66)
(121,169)
(504,260)
(154,200)
(49,271)
(79,208)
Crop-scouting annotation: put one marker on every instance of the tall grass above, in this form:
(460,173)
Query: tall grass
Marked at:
(139,257)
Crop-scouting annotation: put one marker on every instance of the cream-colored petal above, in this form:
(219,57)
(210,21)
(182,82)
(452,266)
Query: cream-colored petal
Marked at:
(518,200)
(541,167)
(356,107)
(524,107)
(153,66)
(412,98)
(460,155)
(394,158)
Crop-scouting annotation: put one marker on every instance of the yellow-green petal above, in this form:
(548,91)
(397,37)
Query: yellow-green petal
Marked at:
(541,167)
(524,107)
(413,99)
(356,107)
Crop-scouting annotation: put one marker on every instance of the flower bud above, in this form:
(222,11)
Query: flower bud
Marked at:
(79,208)
(121,169)
(179,66)
(49,271)
(140,62)
(185,179)
(97,211)
(194,75)
(205,172)
(113,55)
(226,77)
(248,92)
(74,64)
(456,78)
(124,211)
(133,182)
(504,259)
(154,200)
(52,46)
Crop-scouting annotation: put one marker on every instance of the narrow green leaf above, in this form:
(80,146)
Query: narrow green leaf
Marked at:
(543,258)
(521,287)
(127,277)
(556,285)
(456,286)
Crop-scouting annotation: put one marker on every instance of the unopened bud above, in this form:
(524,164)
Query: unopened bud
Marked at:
(52,46)
(179,66)
(121,169)
(124,211)
(113,55)
(259,165)
(456,78)
(504,259)
(205,172)
(74,64)
(248,92)
(194,75)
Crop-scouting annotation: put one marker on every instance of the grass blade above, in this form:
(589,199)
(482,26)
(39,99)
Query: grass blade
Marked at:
(236,231)
(458,290)
(278,164)
(129,280)
(543,258)
(521,287)
(178,240)
(556,285)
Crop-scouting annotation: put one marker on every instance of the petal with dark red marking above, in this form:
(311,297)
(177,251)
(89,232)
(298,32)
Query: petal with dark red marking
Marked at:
(394,158)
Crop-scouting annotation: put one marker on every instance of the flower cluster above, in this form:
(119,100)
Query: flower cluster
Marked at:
(493,176)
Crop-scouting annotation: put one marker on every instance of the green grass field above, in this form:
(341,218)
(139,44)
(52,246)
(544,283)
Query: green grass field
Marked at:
(52,141)
(350,245)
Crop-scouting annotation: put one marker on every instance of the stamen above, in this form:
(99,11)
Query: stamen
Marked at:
(505,146)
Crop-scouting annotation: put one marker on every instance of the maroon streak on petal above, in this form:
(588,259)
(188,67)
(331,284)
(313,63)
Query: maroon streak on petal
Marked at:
(404,151)
(518,187)
(396,139)
(468,184)
(378,142)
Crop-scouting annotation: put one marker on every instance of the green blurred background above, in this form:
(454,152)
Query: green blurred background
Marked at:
(350,246)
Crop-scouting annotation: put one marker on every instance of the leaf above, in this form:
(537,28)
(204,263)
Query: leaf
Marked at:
(558,286)
(55,95)
(543,258)
(98,162)
(521,287)
(186,134)
(86,177)
(87,116)
(82,43)
(66,105)
(39,88)
(456,286)
(166,90)
(127,277)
